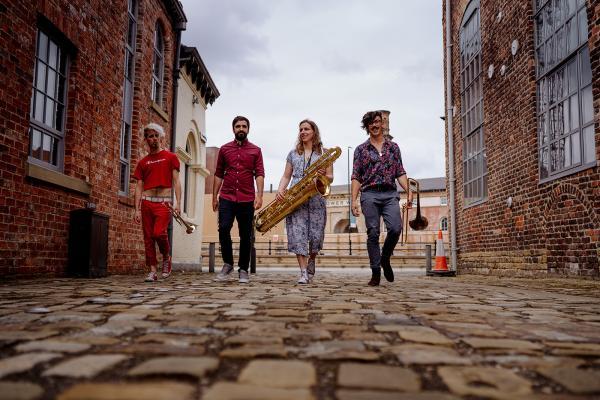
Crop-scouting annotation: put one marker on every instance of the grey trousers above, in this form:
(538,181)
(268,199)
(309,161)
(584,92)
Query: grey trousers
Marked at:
(375,205)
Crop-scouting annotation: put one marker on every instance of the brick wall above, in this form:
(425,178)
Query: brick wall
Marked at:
(552,227)
(34,214)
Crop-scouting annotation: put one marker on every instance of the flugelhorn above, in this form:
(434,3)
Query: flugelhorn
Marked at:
(189,228)
(420,222)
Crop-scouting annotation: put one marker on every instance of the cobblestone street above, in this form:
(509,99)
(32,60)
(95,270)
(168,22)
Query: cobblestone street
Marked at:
(190,338)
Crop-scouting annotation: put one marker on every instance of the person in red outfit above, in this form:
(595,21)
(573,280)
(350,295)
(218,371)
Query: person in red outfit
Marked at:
(239,164)
(156,174)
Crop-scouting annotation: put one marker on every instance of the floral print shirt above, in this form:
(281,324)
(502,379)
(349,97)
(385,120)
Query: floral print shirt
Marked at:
(372,169)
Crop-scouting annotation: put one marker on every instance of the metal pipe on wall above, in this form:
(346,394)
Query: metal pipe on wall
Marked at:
(450,130)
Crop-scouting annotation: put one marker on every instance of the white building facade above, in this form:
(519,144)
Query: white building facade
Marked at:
(196,91)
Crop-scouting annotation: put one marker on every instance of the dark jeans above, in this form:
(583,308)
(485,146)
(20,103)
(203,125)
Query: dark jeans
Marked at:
(244,214)
(375,205)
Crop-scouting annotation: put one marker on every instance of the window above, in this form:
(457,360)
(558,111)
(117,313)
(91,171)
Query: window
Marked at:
(444,224)
(129,70)
(471,83)
(48,100)
(443,201)
(158,64)
(189,176)
(565,110)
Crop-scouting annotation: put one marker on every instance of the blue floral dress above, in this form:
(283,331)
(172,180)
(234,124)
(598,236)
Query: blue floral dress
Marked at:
(305,226)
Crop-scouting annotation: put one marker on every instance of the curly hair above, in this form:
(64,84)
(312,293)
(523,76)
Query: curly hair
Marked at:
(368,119)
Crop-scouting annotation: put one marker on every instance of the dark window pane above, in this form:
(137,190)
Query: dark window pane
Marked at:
(574,106)
(572,76)
(589,148)
(583,28)
(42,49)
(575,148)
(60,94)
(566,116)
(542,129)
(36,144)
(39,106)
(544,162)
(40,80)
(51,86)
(46,148)
(54,159)
(53,55)
(131,33)
(49,115)
(585,67)
(60,112)
(587,105)
(122,177)
(129,66)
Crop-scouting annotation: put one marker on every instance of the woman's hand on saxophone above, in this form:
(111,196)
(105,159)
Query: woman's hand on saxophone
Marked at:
(280,194)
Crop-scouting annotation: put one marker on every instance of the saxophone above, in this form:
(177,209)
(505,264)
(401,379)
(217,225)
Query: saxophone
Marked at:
(311,183)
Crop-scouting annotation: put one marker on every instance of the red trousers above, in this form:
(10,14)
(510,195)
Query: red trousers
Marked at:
(155,221)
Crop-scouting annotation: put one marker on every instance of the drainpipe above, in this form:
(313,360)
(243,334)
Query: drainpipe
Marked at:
(450,130)
(178,28)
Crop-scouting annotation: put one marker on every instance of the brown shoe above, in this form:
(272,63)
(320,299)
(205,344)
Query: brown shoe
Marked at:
(375,278)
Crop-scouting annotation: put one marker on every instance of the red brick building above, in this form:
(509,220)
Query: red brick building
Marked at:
(79,81)
(523,96)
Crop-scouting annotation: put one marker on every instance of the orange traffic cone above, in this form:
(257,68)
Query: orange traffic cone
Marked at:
(441,264)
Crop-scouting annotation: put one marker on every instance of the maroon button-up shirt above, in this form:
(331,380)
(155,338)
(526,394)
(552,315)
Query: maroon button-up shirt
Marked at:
(238,165)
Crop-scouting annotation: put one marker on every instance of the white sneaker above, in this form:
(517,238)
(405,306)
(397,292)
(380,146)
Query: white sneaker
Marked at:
(303,278)
(152,277)
(244,276)
(224,274)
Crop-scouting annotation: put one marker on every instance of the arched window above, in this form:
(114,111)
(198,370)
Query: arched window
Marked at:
(444,224)
(129,70)
(471,86)
(158,65)
(564,89)
(189,181)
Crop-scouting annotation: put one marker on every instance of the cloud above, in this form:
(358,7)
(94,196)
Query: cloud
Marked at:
(228,35)
(278,62)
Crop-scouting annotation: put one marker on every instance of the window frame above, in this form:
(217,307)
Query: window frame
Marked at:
(156,93)
(444,224)
(189,175)
(65,53)
(127,111)
(547,105)
(475,170)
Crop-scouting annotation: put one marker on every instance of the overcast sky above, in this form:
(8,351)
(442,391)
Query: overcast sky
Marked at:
(280,61)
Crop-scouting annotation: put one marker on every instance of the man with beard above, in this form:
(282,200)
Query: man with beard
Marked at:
(156,175)
(239,162)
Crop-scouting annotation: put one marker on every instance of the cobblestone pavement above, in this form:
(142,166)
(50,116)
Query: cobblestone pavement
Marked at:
(189,338)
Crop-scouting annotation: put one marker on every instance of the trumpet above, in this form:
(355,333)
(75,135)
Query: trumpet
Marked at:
(420,222)
(189,227)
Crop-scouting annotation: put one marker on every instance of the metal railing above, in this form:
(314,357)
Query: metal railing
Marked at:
(419,250)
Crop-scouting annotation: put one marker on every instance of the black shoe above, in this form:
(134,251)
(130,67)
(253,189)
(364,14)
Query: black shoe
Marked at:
(375,278)
(387,269)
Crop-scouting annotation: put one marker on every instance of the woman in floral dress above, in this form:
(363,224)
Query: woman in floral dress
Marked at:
(305,226)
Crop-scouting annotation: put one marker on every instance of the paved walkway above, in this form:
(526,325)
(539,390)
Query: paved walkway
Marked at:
(191,338)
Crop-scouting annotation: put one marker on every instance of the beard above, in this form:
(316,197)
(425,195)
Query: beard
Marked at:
(241,136)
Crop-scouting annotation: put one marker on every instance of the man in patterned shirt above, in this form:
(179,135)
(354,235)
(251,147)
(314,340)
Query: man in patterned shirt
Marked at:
(376,168)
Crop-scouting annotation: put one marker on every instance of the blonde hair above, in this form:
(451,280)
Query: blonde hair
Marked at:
(317,145)
(153,126)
